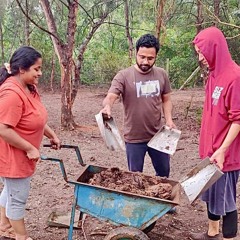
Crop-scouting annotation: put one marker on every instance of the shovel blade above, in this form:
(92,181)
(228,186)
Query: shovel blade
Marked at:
(200,178)
(109,132)
(165,140)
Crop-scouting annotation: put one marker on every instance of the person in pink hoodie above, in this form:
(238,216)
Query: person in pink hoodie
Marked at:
(220,127)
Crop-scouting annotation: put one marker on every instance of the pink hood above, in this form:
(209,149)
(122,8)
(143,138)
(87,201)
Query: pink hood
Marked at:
(222,97)
(213,46)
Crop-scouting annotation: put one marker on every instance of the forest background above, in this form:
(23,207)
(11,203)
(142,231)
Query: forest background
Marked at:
(86,42)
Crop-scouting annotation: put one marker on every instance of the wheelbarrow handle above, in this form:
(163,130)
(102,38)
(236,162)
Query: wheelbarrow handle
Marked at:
(60,161)
(76,148)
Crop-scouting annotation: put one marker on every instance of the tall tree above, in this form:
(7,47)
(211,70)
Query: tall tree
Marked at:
(64,44)
(64,52)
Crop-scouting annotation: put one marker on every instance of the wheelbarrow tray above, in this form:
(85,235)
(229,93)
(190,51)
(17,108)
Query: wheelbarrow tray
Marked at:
(119,207)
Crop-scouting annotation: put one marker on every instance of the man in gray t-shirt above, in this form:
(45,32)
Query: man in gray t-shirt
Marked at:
(145,91)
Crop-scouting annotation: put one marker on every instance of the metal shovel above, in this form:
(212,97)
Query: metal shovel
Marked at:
(200,178)
(165,140)
(109,132)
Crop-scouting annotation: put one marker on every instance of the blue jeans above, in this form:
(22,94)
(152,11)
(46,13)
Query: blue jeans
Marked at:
(136,153)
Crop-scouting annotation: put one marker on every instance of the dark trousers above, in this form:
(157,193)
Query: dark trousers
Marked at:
(229,225)
(136,153)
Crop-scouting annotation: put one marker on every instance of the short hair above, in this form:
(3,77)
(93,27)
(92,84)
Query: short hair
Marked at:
(23,58)
(148,41)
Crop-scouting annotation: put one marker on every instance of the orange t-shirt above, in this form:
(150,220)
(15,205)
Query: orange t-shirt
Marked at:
(27,116)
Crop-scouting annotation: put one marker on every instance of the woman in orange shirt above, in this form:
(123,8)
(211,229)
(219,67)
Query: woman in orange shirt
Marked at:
(23,123)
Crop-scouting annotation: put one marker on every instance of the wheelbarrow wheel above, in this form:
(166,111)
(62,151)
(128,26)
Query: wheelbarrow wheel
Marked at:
(126,233)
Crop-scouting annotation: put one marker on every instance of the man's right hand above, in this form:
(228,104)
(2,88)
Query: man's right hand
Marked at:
(108,103)
(106,111)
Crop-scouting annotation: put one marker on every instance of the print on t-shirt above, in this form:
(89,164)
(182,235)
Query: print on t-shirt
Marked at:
(149,88)
(216,94)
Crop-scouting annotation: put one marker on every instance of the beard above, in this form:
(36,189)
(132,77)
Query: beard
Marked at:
(145,67)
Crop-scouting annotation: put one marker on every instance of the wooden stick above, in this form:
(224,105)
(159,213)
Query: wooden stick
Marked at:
(190,77)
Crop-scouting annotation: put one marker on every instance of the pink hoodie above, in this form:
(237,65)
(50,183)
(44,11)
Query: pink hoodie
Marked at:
(222,97)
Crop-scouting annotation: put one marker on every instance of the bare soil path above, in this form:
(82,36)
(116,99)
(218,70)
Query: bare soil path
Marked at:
(51,193)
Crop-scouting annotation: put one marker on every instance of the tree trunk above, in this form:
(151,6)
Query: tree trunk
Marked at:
(130,42)
(67,121)
(159,16)
(216,4)
(52,71)
(27,26)
(3,5)
(200,19)
(1,43)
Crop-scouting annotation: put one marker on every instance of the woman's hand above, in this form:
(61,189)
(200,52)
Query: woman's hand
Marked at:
(33,154)
(218,158)
(55,143)
(54,140)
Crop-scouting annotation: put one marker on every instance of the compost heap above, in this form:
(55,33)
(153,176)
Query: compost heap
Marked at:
(131,182)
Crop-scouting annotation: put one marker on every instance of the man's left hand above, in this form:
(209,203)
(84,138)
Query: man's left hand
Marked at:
(171,124)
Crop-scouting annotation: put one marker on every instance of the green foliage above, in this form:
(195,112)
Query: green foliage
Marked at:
(102,68)
(106,54)
(178,49)
(107,51)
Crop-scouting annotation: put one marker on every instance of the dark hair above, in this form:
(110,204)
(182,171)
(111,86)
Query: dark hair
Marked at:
(23,58)
(148,41)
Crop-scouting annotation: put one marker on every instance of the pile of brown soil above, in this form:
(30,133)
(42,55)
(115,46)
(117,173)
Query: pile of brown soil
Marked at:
(136,182)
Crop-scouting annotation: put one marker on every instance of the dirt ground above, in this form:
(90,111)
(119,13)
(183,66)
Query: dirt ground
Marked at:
(51,193)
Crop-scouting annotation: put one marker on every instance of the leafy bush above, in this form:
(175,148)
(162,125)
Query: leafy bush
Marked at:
(103,68)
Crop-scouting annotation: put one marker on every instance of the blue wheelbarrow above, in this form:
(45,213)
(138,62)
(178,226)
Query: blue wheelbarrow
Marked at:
(135,214)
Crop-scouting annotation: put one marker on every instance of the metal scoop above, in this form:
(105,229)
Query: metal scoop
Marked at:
(165,140)
(200,178)
(109,132)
